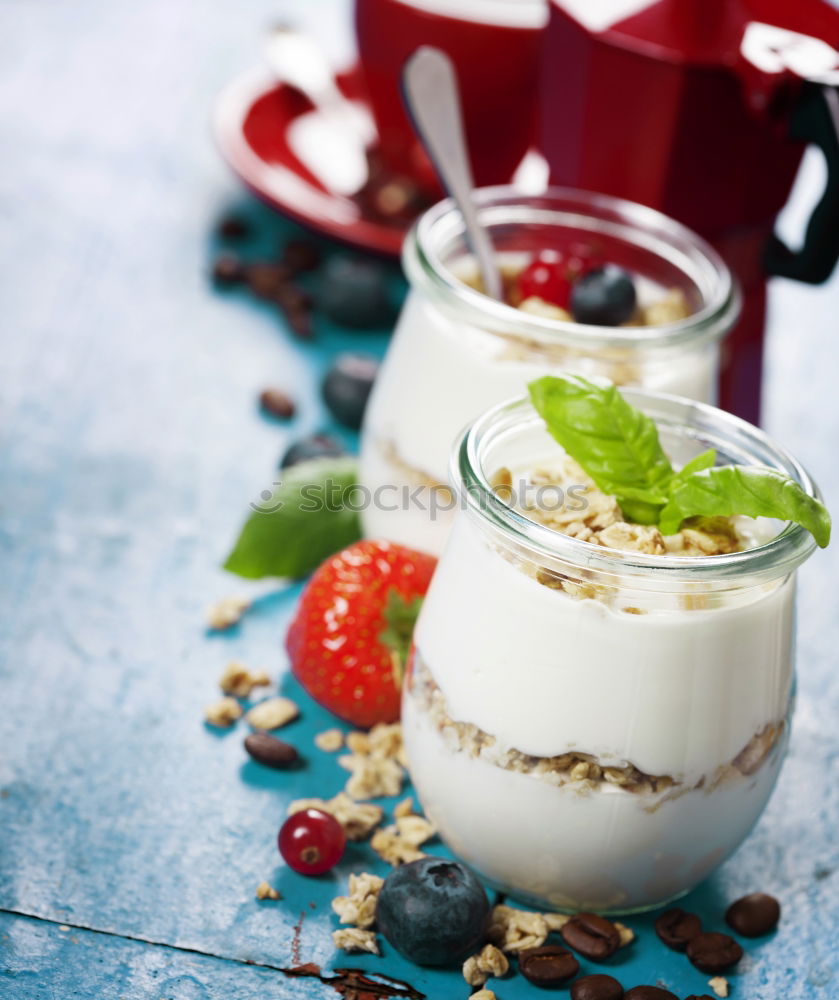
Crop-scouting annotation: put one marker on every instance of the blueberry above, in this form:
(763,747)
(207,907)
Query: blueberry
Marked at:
(432,911)
(316,446)
(354,293)
(605,297)
(347,386)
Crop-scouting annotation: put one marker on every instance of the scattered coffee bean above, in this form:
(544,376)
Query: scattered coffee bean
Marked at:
(228,270)
(316,446)
(549,965)
(233,227)
(276,403)
(346,387)
(291,298)
(649,993)
(300,323)
(713,952)
(271,752)
(301,255)
(597,987)
(754,915)
(676,927)
(592,936)
(354,293)
(266,279)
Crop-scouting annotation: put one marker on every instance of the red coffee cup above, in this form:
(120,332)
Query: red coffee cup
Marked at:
(495,46)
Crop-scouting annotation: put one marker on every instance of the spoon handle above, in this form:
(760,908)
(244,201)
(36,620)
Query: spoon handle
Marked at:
(430,90)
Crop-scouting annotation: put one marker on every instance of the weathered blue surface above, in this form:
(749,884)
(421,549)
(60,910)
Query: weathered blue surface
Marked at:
(130,446)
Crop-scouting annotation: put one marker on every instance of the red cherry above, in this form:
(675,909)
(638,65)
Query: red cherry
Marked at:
(545,278)
(582,259)
(311,841)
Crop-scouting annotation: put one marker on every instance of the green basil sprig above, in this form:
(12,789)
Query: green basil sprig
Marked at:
(619,448)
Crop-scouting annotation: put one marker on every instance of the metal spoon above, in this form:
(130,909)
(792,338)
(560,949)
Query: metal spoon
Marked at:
(430,91)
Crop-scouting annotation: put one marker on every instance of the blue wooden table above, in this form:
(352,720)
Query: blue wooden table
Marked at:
(132,837)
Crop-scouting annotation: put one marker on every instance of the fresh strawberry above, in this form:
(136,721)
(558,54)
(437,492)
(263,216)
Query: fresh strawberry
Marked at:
(350,637)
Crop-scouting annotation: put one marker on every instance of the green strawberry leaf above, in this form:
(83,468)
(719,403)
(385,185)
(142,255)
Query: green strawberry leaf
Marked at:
(293,528)
(753,491)
(400,618)
(616,444)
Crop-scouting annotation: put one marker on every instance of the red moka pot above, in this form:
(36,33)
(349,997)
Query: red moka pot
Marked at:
(702,109)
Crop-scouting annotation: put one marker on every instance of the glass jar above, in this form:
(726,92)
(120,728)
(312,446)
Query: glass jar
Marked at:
(456,352)
(591,728)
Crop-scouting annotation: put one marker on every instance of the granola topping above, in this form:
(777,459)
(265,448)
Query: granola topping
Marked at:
(227,612)
(238,681)
(266,891)
(514,930)
(223,713)
(330,740)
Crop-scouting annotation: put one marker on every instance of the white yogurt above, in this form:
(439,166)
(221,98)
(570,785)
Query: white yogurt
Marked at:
(439,374)
(675,692)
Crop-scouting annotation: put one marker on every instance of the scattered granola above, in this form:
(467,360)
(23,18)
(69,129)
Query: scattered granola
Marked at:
(515,930)
(358,819)
(414,830)
(404,808)
(353,939)
(272,713)
(393,849)
(483,995)
(488,962)
(556,921)
(223,713)
(626,933)
(720,985)
(227,612)
(330,740)
(266,891)
(372,777)
(238,681)
(359,907)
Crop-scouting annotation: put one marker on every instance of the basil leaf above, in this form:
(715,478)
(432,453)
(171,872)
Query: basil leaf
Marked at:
(303,521)
(616,444)
(751,490)
(705,460)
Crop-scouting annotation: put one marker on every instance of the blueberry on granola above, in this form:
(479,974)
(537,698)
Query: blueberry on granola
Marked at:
(605,297)
(432,911)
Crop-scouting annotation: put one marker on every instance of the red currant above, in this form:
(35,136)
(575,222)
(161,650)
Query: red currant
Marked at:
(583,258)
(311,841)
(545,278)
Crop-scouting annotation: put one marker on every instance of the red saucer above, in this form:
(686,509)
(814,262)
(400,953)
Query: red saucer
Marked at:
(251,120)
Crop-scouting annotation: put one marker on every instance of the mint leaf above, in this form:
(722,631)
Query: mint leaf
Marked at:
(301,522)
(754,491)
(616,444)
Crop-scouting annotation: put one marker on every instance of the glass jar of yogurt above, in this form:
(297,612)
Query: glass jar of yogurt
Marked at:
(597,724)
(456,352)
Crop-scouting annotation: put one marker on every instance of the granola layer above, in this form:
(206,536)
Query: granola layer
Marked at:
(584,772)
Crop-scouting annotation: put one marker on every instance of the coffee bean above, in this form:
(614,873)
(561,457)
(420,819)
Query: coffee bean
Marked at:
(549,965)
(754,915)
(270,751)
(233,227)
(713,952)
(649,993)
(228,270)
(676,927)
(300,323)
(592,936)
(301,255)
(266,279)
(597,987)
(276,403)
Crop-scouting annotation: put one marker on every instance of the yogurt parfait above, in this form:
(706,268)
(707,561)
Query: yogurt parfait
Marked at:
(600,690)
(593,285)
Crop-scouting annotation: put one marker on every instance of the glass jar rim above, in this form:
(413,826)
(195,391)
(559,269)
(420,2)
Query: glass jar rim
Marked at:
(651,230)
(773,559)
